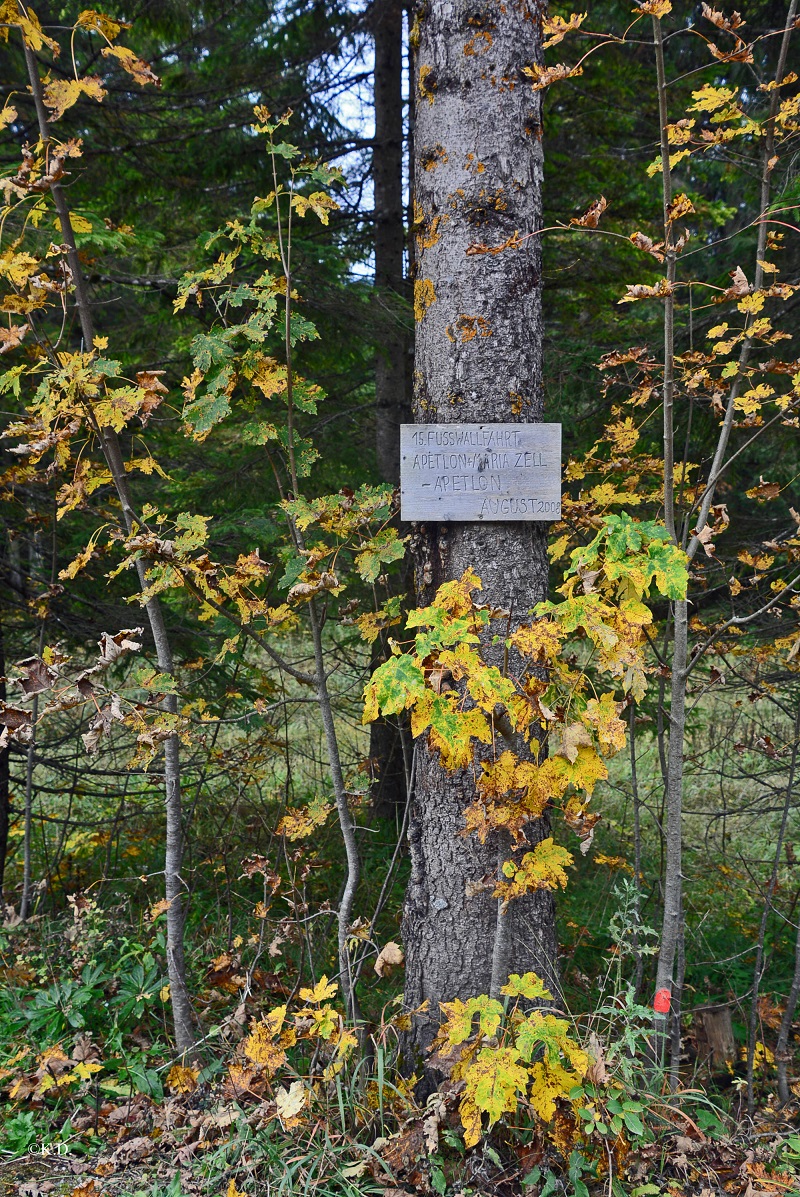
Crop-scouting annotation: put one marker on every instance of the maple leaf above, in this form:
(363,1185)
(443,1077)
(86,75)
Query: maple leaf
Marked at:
(591,217)
(322,991)
(28,24)
(61,94)
(680,206)
(394,685)
(299,824)
(382,549)
(459,1016)
(647,245)
(734,21)
(638,291)
(260,1045)
(544,76)
(452,732)
(555,28)
(654,8)
(603,716)
(764,492)
(181,1079)
(318,202)
(527,986)
(541,640)
(136,67)
(150,382)
(547,1086)
(541,869)
(710,99)
(492,1084)
(98,22)
(569,741)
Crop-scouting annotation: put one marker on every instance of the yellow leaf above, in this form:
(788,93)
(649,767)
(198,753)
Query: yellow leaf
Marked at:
(28,25)
(322,991)
(319,203)
(602,715)
(98,22)
(290,1104)
(181,1079)
(654,8)
(751,304)
(61,94)
(555,28)
(492,1084)
(709,99)
(541,869)
(79,223)
(300,823)
(261,1047)
(528,986)
(136,67)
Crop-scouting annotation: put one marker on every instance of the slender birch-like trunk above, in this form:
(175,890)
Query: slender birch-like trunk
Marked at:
(109,443)
(680,667)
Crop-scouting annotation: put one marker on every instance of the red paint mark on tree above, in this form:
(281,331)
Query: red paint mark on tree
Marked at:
(661,1001)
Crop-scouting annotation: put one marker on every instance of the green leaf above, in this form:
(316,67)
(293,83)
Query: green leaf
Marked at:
(393,686)
(385,547)
(528,986)
(633,1123)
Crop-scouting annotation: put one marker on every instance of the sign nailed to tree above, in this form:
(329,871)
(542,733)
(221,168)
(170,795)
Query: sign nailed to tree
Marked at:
(466,472)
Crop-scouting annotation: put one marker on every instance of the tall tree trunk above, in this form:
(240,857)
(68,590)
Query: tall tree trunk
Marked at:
(478,177)
(392,365)
(182,1016)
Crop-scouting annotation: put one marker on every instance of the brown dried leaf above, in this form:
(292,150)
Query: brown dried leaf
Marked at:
(543,76)
(591,217)
(391,954)
(641,241)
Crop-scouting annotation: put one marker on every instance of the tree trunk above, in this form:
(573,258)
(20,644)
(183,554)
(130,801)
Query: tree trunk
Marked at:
(182,1015)
(478,177)
(392,364)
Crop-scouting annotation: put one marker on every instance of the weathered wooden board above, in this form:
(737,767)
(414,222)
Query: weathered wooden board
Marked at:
(466,472)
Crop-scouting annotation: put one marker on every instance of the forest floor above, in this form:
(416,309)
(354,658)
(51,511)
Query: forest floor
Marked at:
(194,1144)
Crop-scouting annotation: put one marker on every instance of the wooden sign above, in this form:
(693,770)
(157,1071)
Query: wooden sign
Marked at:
(466,472)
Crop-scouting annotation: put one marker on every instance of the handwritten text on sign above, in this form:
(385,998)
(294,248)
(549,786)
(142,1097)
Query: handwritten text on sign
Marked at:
(465,472)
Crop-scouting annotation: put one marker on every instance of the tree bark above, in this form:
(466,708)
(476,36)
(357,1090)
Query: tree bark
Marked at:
(477,177)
